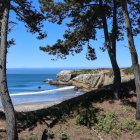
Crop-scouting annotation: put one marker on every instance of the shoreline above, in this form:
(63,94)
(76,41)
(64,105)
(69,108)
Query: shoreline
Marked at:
(81,79)
(29,107)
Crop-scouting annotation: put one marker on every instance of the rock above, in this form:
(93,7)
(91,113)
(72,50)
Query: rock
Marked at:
(107,80)
(64,76)
(59,83)
(48,80)
(76,88)
(87,80)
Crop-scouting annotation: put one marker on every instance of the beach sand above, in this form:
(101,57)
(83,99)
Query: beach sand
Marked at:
(33,106)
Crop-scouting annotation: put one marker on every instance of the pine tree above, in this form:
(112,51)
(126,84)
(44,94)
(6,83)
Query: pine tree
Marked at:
(86,18)
(133,52)
(32,18)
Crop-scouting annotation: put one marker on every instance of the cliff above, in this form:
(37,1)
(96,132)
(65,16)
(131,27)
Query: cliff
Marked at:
(89,79)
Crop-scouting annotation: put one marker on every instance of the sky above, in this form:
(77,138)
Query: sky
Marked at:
(26,53)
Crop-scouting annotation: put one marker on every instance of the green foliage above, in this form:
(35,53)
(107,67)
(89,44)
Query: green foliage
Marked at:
(49,133)
(28,14)
(129,109)
(91,71)
(80,29)
(111,124)
(90,118)
(83,71)
(87,117)
(65,113)
(63,135)
(107,123)
(86,21)
(64,118)
(128,70)
(131,125)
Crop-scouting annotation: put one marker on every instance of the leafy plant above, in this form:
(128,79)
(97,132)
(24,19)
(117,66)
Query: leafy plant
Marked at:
(129,109)
(107,123)
(49,133)
(87,117)
(63,135)
(83,71)
(130,124)
(64,118)
(128,70)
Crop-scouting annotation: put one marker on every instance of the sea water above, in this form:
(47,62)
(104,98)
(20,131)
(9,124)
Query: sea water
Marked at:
(27,86)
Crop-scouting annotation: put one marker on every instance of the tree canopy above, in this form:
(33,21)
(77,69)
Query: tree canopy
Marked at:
(84,23)
(27,13)
(33,20)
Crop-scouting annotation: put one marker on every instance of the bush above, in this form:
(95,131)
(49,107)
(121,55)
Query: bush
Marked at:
(128,70)
(87,117)
(83,71)
(63,135)
(107,123)
(49,133)
(131,125)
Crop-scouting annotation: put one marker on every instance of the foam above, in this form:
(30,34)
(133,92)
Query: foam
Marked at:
(42,92)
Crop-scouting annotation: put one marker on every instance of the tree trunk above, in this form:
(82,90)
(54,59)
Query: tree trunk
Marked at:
(117,75)
(134,55)
(111,48)
(5,98)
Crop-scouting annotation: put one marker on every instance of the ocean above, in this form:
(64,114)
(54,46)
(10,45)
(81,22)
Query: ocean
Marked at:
(27,86)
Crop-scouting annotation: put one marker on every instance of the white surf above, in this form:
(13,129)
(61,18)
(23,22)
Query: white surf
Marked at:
(42,92)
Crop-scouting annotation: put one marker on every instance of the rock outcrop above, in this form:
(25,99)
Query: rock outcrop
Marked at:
(64,76)
(87,81)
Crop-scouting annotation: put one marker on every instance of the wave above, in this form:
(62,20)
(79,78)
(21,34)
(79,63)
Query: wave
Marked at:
(42,92)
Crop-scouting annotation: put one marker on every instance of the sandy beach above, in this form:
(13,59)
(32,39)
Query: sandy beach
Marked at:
(34,106)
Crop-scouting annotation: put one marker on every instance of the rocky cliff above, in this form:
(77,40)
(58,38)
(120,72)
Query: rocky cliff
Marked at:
(88,79)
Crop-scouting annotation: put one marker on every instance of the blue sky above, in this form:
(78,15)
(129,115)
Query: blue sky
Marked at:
(26,53)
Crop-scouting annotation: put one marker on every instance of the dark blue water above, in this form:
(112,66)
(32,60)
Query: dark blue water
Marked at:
(29,82)
(27,86)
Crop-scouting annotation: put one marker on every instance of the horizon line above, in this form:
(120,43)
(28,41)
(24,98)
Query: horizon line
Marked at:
(61,67)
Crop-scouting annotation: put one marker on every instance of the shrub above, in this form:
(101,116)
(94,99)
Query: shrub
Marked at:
(87,117)
(131,125)
(83,71)
(128,70)
(49,133)
(63,135)
(107,123)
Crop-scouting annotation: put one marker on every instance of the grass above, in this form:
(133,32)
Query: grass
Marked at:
(30,137)
(128,71)
(87,71)
(83,71)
